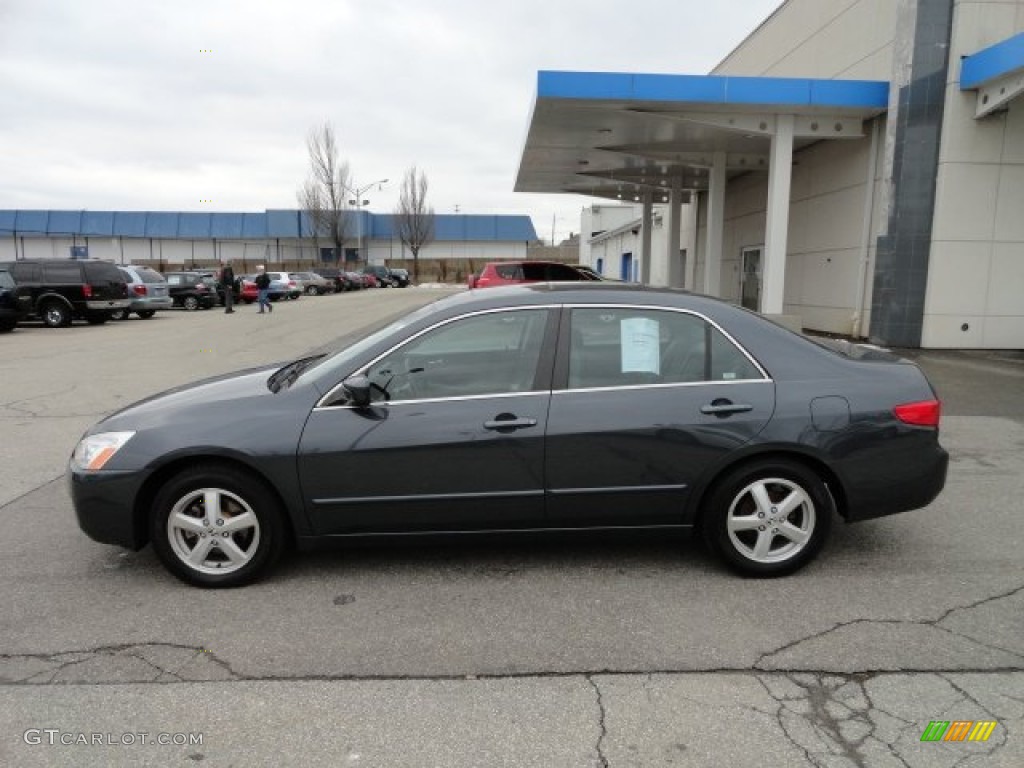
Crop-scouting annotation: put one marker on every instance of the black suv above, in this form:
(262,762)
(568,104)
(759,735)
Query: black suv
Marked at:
(15,303)
(192,290)
(63,289)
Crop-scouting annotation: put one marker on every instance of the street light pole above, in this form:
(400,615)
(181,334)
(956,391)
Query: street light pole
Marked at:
(359,203)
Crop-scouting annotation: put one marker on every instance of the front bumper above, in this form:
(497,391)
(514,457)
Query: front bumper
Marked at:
(104,504)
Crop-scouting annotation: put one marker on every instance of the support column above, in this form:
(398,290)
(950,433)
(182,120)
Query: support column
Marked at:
(716,225)
(690,278)
(780,174)
(675,210)
(645,239)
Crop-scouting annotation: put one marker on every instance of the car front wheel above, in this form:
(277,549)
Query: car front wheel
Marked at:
(217,526)
(191,303)
(769,518)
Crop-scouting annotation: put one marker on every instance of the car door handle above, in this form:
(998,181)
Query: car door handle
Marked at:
(724,408)
(509,423)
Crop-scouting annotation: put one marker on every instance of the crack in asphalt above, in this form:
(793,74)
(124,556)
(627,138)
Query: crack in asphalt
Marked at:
(599,746)
(29,492)
(827,716)
(934,623)
(1004,732)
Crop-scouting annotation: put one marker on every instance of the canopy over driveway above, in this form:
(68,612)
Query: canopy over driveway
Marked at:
(654,138)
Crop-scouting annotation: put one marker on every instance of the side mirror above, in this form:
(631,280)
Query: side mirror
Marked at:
(358,389)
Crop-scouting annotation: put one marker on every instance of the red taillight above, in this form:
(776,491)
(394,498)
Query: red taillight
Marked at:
(140,290)
(87,291)
(922,414)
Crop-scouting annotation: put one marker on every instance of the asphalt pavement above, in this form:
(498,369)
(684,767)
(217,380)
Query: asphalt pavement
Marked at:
(542,652)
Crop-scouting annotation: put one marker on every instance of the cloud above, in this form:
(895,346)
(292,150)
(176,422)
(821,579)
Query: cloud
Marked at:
(123,104)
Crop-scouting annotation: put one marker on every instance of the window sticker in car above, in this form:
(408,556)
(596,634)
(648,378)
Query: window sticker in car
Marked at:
(640,342)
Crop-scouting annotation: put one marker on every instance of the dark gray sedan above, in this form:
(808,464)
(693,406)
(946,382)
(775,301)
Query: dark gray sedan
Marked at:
(549,406)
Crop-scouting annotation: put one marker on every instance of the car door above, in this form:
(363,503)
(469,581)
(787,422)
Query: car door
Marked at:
(644,401)
(454,437)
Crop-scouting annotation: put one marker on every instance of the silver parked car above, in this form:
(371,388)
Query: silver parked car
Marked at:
(148,291)
(311,283)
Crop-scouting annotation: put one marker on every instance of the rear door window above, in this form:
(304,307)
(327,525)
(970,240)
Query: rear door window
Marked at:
(510,271)
(63,273)
(623,346)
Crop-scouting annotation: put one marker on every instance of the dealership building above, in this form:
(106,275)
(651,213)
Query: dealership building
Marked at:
(186,238)
(854,166)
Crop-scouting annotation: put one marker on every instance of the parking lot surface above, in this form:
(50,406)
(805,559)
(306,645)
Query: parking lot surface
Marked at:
(569,652)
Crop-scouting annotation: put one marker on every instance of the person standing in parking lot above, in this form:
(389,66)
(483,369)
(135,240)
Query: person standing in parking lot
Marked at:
(227,281)
(263,288)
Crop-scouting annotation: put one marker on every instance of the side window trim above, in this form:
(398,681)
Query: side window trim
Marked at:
(560,382)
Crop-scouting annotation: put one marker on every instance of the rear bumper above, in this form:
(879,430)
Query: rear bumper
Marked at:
(104,505)
(912,484)
(102,305)
(141,305)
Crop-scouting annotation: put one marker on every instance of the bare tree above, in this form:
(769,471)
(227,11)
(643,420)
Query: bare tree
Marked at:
(324,194)
(414,219)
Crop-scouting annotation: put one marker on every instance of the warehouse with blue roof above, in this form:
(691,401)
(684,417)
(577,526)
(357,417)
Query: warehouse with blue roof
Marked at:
(184,238)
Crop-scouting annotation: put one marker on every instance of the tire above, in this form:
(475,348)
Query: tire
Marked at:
(180,538)
(97,318)
(55,315)
(312,291)
(145,314)
(6,326)
(743,531)
(118,314)
(190,303)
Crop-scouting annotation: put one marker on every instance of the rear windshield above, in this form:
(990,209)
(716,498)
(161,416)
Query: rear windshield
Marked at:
(149,275)
(99,271)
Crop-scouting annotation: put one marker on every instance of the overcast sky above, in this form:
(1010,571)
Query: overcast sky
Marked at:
(117,105)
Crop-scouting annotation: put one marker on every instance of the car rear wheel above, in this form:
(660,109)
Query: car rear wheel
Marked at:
(312,291)
(769,518)
(190,303)
(217,526)
(145,314)
(55,315)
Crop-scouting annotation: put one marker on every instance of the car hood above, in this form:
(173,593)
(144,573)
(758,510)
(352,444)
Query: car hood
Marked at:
(174,404)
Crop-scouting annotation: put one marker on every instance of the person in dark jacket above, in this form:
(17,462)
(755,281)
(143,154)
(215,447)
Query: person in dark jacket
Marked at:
(227,282)
(263,288)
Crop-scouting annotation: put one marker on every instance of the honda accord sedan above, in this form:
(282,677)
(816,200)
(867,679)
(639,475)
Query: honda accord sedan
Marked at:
(529,408)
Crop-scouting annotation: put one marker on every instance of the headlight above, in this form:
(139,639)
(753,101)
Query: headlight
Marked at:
(94,451)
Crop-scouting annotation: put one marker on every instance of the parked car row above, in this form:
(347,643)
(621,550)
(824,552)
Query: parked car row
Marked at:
(58,291)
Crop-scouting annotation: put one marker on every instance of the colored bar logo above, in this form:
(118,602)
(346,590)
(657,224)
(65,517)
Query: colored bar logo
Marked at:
(959,730)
